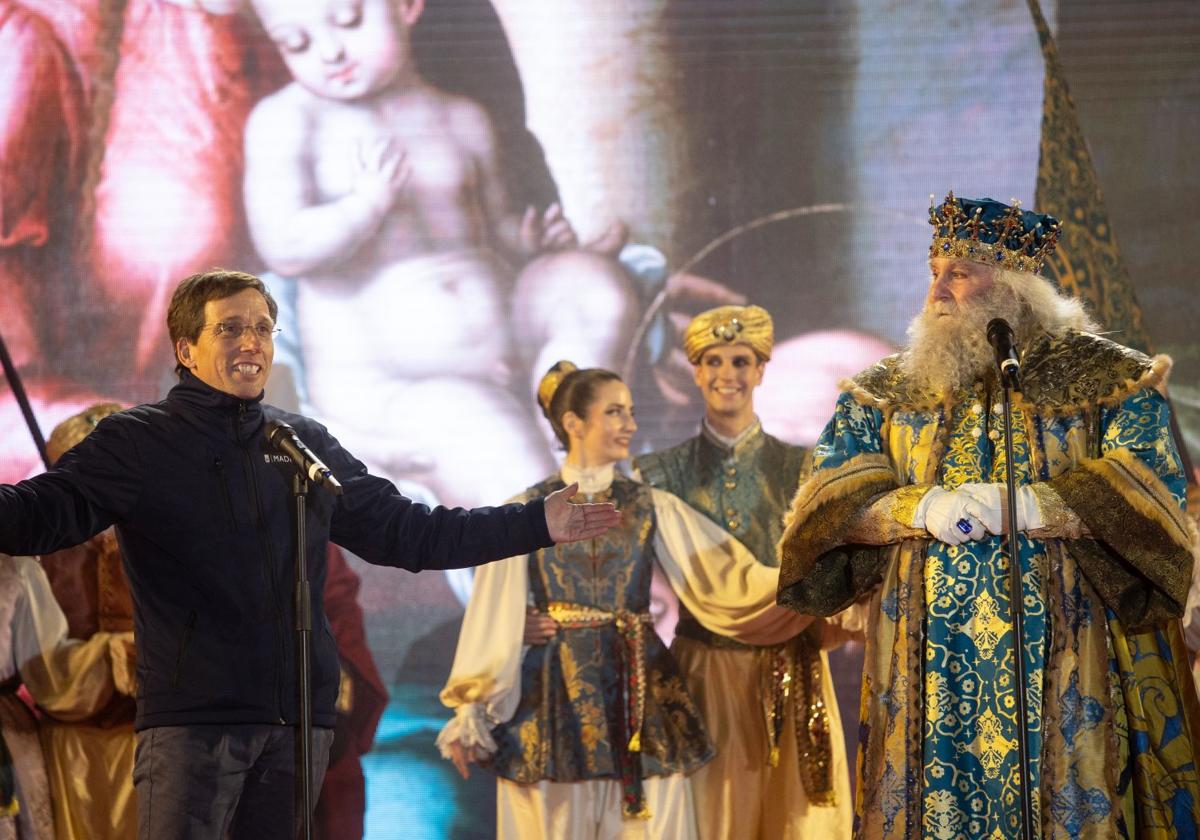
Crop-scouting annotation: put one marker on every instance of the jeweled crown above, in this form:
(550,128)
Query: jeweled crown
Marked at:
(987,231)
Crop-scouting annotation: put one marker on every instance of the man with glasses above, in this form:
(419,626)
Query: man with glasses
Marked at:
(204,515)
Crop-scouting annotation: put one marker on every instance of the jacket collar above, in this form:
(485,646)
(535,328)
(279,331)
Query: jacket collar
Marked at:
(209,407)
(745,440)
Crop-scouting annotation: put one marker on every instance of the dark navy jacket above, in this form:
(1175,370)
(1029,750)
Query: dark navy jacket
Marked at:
(205,518)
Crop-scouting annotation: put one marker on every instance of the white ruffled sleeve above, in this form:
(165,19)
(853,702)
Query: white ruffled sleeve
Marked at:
(38,623)
(717,578)
(485,681)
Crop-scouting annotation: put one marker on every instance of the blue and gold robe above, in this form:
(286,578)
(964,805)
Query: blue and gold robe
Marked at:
(1113,712)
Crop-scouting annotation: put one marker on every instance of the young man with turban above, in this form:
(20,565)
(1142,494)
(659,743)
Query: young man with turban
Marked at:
(780,769)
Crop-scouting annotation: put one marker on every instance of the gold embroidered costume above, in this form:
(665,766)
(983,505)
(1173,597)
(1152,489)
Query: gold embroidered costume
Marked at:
(1113,711)
(601,707)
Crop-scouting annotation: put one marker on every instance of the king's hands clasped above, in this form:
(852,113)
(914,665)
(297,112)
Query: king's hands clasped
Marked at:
(973,511)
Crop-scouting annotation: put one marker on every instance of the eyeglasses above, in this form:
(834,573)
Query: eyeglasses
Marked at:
(231,331)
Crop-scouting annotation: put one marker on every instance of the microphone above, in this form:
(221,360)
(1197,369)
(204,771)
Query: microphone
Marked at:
(1000,336)
(283,437)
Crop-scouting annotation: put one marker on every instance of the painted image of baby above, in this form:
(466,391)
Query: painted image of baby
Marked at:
(426,303)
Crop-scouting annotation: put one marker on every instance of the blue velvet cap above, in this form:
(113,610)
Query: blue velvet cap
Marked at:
(987,231)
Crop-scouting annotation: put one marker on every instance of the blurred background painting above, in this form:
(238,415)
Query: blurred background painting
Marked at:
(556,179)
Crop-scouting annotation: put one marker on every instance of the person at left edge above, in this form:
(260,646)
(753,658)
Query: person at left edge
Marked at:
(203,510)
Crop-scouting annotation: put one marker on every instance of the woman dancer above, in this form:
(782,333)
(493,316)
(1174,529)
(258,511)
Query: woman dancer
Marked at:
(591,734)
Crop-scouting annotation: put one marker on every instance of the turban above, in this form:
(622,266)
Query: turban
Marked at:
(76,427)
(749,325)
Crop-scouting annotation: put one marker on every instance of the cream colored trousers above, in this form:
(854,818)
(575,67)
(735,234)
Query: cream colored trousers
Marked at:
(738,795)
(591,810)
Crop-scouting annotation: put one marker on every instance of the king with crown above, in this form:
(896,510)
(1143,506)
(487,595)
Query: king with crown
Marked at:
(903,510)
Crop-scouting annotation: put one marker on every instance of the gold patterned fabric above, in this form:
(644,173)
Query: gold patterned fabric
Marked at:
(791,677)
(573,721)
(1088,263)
(1113,715)
(632,627)
(749,325)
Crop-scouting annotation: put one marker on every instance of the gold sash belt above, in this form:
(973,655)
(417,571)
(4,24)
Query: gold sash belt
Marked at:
(631,626)
(792,671)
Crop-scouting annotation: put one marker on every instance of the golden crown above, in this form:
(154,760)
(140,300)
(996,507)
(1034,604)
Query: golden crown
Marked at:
(987,231)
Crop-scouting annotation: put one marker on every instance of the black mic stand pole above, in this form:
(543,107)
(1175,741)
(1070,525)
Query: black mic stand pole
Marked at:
(1016,600)
(303,604)
(18,389)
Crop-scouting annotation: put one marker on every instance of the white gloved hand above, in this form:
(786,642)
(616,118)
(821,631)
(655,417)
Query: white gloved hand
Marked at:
(951,516)
(991,513)
(1029,514)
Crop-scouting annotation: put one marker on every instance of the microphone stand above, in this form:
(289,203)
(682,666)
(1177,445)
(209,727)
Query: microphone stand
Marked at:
(1016,599)
(18,389)
(303,604)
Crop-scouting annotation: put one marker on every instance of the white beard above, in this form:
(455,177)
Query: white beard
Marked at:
(949,349)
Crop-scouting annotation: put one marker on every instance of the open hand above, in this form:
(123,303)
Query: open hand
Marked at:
(548,231)
(571,523)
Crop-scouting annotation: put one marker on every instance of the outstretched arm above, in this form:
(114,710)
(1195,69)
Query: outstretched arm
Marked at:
(91,486)
(382,526)
(717,578)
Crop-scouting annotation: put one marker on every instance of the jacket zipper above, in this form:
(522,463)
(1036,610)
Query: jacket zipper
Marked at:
(268,553)
(223,480)
(183,646)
